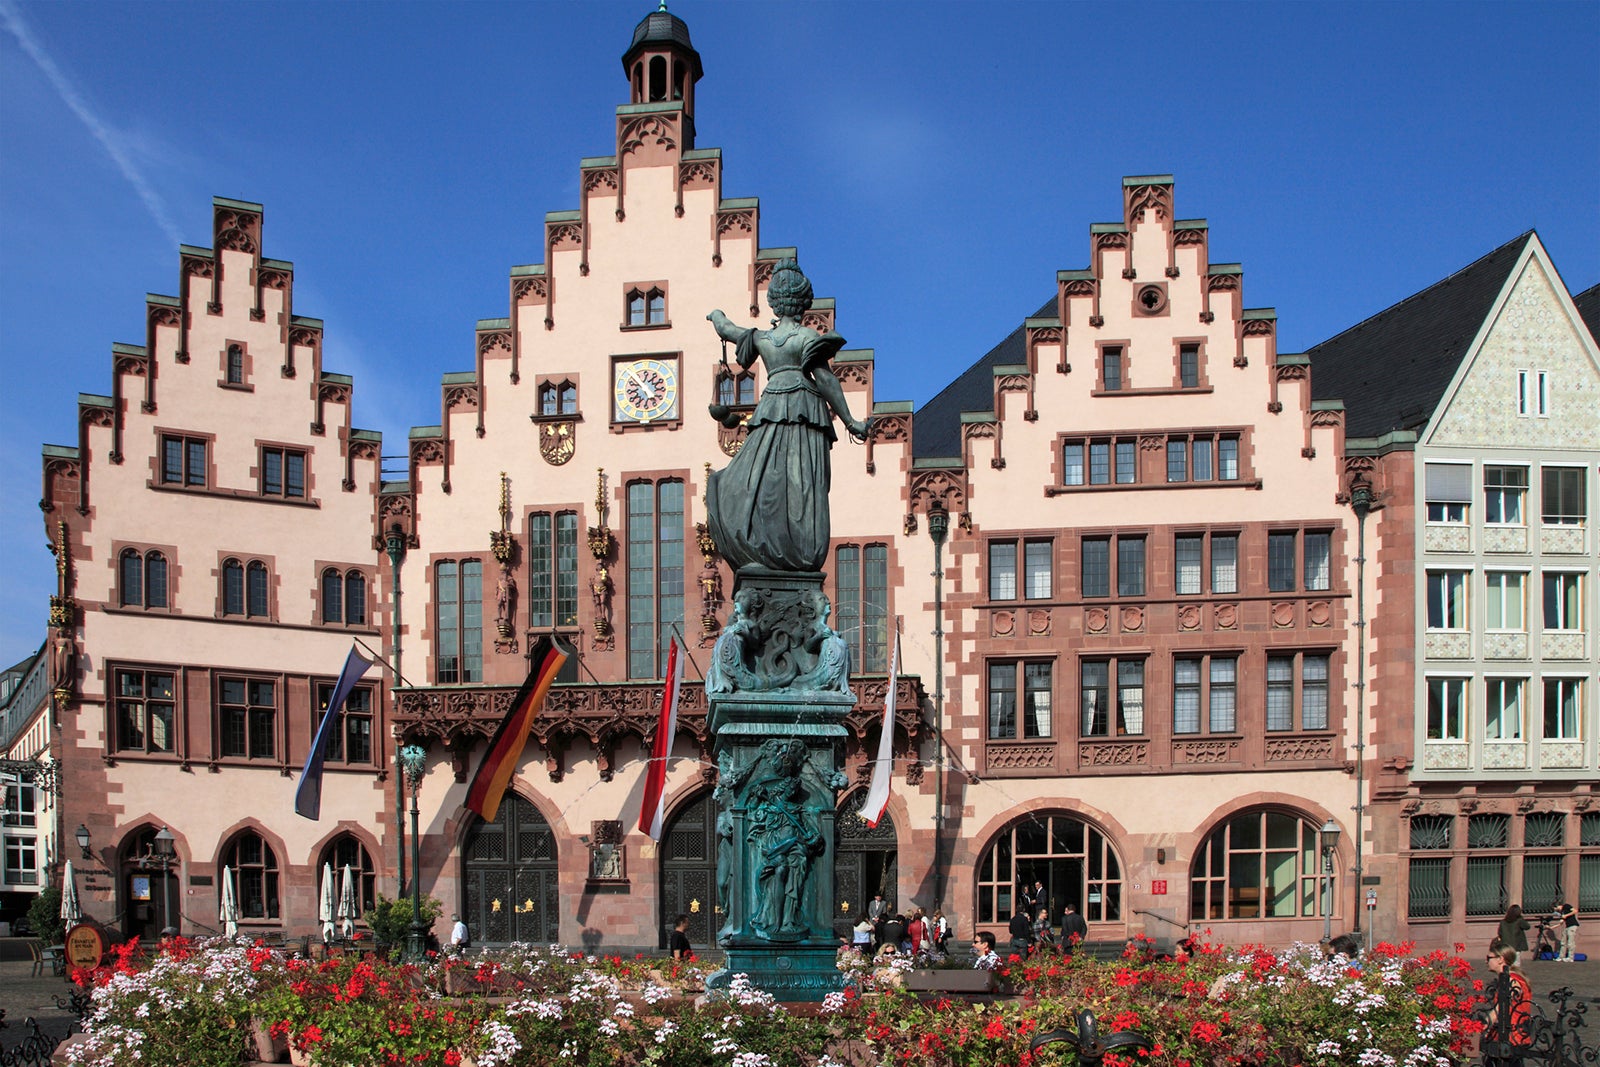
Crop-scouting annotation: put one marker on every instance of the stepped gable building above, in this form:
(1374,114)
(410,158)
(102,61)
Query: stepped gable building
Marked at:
(1136,677)
(213,529)
(1473,415)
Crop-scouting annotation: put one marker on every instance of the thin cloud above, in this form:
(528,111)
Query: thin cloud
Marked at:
(109,140)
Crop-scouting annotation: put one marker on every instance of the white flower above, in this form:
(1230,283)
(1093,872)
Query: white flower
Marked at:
(665,1030)
(832,1003)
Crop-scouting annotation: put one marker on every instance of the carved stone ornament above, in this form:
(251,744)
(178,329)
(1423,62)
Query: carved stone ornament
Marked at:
(640,130)
(558,441)
(779,640)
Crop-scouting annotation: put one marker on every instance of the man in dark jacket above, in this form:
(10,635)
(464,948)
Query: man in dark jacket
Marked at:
(1021,928)
(1074,931)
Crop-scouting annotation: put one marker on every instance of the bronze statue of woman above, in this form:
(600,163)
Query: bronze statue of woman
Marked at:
(769,507)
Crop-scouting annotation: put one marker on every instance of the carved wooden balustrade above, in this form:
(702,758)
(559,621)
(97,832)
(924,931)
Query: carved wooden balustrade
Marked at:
(603,714)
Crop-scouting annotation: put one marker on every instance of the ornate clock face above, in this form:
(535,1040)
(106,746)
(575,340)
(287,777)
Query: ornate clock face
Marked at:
(646,390)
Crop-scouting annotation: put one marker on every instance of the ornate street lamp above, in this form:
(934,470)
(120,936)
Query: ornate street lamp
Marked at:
(394,544)
(938,530)
(414,762)
(1330,844)
(1361,502)
(82,834)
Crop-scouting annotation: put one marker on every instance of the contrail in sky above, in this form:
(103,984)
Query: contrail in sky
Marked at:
(73,99)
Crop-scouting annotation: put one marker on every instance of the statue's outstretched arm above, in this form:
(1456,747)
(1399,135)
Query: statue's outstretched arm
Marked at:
(828,385)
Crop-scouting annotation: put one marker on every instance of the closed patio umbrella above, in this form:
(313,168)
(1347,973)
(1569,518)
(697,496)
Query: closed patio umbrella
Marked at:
(347,902)
(327,903)
(229,911)
(70,910)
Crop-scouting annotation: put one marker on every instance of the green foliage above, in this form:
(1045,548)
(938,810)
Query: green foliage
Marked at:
(44,915)
(390,921)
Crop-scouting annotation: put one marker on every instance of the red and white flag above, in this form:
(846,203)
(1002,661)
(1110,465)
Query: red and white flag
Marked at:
(878,792)
(653,811)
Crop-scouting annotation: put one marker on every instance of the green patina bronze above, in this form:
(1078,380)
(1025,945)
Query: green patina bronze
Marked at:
(778,684)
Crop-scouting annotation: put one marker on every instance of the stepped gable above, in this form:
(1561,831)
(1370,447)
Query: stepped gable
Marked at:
(1392,369)
(938,427)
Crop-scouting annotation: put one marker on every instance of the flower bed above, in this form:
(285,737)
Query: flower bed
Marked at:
(200,1004)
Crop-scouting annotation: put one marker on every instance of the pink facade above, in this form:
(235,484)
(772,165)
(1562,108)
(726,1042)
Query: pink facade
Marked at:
(1150,657)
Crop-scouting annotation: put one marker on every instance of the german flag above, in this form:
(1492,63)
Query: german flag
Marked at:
(505,749)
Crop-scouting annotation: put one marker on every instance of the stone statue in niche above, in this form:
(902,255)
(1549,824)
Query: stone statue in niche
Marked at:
(769,507)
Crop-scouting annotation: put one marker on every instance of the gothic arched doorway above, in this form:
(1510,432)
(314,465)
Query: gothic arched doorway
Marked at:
(865,860)
(149,887)
(510,873)
(688,872)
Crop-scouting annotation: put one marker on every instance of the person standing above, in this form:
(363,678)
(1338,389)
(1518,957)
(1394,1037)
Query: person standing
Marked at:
(1074,931)
(1514,929)
(1506,1038)
(1569,931)
(1021,930)
(878,908)
(678,943)
(460,940)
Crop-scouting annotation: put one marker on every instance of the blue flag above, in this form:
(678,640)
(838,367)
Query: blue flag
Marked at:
(308,794)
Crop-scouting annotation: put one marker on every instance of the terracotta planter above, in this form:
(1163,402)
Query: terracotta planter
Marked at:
(268,1049)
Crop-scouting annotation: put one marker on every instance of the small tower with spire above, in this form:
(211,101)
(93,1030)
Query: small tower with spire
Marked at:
(661,65)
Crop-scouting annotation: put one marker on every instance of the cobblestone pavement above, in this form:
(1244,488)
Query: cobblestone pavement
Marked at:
(22,995)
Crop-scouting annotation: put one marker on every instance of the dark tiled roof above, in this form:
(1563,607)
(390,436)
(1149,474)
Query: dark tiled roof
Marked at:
(1392,369)
(661,26)
(937,426)
(1588,303)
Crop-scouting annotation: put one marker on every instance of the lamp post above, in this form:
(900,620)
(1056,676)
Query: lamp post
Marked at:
(1361,504)
(1330,843)
(414,760)
(82,834)
(938,530)
(394,544)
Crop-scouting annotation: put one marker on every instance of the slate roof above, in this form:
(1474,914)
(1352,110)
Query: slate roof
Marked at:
(1588,303)
(1392,369)
(937,425)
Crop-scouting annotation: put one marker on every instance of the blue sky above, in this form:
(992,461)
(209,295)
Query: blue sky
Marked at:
(935,163)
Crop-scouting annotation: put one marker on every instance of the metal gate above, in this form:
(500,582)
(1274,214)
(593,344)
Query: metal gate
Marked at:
(688,873)
(510,873)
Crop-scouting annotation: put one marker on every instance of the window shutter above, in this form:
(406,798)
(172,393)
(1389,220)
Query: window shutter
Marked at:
(1449,483)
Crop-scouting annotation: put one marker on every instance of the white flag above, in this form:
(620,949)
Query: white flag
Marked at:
(878,793)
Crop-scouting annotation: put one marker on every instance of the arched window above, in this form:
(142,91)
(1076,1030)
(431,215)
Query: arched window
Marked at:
(1260,864)
(656,306)
(636,308)
(726,391)
(658,78)
(569,399)
(232,587)
(155,580)
(256,869)
(747,388)
(547,393)
(346,850)
(332,596)
(256,589)
(235,365)
(1076,863)
(355,598)
(132,579)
